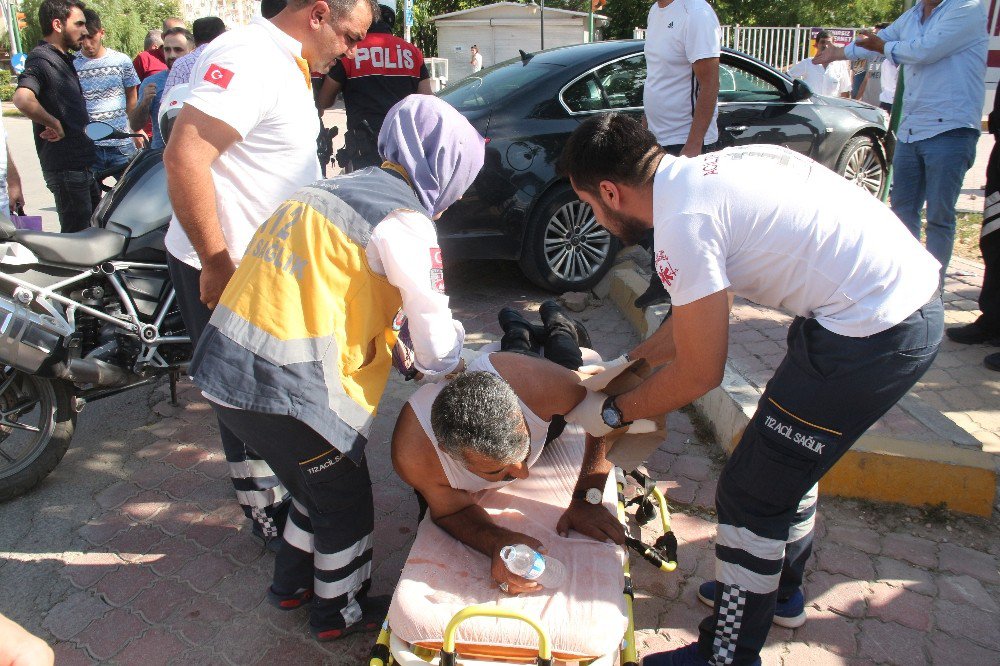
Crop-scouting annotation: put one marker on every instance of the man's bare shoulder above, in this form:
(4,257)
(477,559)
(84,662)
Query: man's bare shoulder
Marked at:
(545,387)
(413,454)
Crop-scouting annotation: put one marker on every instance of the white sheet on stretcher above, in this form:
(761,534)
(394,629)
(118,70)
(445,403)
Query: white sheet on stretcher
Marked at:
(585,618)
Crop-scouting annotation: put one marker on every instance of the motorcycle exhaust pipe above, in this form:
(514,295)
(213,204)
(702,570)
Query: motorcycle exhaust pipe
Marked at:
(91,371)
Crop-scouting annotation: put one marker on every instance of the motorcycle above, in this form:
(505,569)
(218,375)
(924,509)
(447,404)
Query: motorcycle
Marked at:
(84,316)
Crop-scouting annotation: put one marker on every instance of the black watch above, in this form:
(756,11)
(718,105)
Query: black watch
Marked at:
(612,416)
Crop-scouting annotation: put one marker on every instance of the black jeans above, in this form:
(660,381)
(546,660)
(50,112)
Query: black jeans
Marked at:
(989,244)
(263,499)
(76,194)
(827,392)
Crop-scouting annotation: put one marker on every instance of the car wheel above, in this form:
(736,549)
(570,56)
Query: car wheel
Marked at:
(862,163)
(565,249)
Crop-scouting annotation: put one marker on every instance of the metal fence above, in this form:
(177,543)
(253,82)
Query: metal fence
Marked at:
(778,47)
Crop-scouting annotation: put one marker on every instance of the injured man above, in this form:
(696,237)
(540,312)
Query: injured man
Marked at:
(485,429)
(495,463)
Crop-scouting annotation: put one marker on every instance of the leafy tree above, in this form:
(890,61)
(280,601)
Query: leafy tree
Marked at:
(125,21)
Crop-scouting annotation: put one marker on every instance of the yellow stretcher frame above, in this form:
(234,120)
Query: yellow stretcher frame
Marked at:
(382,653)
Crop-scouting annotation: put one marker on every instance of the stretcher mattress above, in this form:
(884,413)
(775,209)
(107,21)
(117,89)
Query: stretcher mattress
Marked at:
(586,617)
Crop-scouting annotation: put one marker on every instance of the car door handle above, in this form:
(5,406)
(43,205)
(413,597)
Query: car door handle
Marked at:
(737,129)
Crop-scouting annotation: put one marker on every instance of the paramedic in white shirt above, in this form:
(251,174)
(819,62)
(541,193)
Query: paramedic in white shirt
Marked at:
(832,80)
(243,143)
(781,230)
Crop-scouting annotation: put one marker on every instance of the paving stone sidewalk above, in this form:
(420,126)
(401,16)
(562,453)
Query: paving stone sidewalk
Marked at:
(161,568)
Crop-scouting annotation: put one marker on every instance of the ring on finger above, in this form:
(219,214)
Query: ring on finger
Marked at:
(504,588)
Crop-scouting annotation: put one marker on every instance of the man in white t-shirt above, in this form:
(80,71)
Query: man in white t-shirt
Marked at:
(768,224)
(477,59)
(681,95)
(831,80)
(243,143)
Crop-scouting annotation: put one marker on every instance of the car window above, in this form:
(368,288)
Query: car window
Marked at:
(617,85)
(740,85)
(488,86)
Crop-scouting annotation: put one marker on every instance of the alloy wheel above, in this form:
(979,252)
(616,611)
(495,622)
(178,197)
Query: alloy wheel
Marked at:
(575,245)
(864,169)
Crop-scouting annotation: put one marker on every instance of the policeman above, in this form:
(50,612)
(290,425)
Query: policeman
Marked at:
(384,70)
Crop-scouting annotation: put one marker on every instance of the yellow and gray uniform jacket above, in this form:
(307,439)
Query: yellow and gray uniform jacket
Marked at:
(304,328)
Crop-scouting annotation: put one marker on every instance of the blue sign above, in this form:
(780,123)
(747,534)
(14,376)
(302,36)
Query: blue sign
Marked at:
(17,62)
(408,13)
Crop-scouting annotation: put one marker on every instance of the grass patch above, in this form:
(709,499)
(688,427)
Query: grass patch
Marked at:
(967,228)
(12,113)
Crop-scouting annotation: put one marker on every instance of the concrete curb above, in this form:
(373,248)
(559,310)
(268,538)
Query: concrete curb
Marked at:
(951,468)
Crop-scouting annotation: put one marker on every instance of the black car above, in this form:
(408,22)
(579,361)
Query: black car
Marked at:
(519,209)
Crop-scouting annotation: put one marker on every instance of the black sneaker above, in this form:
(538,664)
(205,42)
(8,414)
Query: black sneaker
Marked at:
(291,600)
(992,362)
(655,294)
(553,316)
(972,334)
(512,320)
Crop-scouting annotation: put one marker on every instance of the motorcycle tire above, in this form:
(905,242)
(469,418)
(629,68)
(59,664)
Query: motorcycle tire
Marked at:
(54,402)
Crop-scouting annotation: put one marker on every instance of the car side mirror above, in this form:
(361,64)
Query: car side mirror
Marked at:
(800,90)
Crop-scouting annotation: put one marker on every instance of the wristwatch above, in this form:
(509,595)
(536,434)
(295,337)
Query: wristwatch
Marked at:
(611,415)
(590,495)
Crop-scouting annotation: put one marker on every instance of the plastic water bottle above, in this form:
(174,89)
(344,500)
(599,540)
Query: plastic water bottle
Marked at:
(526,562)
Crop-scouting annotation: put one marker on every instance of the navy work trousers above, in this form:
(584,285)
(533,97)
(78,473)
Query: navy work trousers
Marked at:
(263,500)
(827,392)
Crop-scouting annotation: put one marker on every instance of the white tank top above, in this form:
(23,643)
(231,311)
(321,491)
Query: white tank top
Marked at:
(459,477)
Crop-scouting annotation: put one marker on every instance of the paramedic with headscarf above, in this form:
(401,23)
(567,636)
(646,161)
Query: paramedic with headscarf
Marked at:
(298,350)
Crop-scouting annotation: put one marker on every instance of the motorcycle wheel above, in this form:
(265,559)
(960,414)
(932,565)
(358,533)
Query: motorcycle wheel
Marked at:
(36,425)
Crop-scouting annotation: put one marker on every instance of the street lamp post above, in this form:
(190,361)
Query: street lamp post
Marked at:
(543,25)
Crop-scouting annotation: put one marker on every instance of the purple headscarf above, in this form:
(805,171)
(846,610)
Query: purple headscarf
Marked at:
(439,149)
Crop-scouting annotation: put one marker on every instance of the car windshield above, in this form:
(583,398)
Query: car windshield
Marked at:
(483,89)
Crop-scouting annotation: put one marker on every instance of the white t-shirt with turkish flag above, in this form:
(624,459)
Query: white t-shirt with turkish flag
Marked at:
(784,231)
(254,80)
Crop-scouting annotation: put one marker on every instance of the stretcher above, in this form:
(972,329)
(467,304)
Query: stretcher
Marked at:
(446,604)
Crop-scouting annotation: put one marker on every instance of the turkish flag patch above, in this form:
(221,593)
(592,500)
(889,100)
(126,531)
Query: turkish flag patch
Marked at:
(220,76)
(437,270)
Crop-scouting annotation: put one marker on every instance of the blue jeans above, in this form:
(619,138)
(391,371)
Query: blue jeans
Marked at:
(111,157)
(932,171)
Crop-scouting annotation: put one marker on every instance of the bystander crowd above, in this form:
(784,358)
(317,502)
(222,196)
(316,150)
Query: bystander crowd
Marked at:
(204,30)
(109,88)
(177,42)
(941,45)
(49,93)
